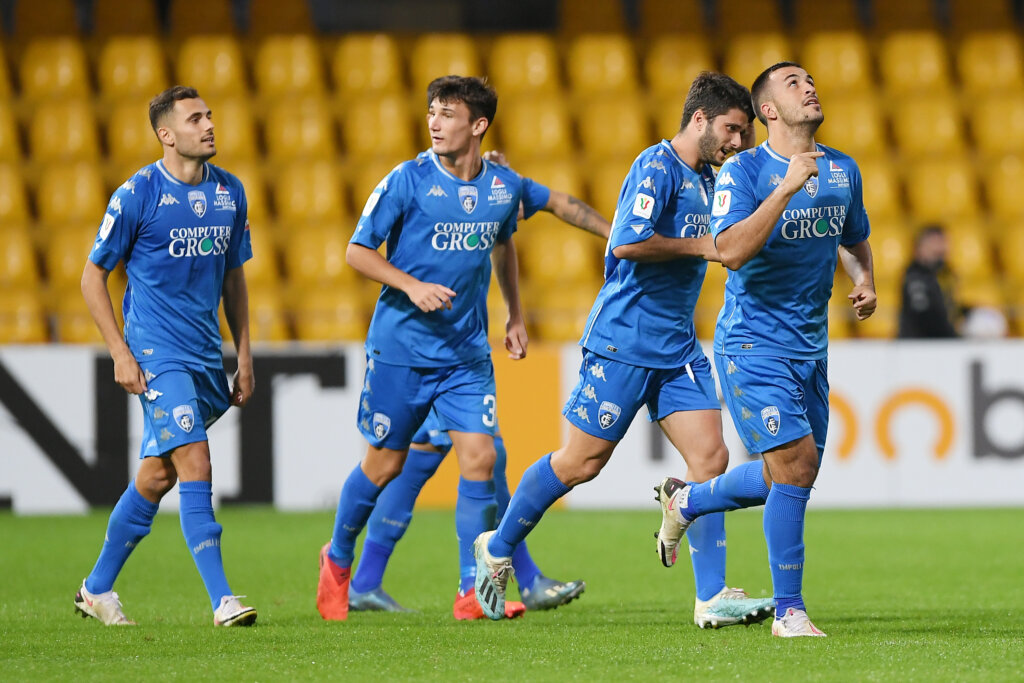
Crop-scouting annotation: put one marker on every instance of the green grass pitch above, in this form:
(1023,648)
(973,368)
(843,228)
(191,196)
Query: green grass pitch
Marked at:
(919,595)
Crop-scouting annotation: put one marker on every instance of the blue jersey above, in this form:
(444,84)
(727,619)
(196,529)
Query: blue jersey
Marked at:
(643,314)
(438,229)
(535,197)
(776,304)
(177,241)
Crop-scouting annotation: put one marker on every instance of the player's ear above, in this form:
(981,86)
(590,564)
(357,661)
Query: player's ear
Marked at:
(768,109)
(480,126)
(166,137)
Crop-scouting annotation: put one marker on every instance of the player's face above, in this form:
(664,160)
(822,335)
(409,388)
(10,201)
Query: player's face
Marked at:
(191,124)
(794,97)
(451,127)
(722,136)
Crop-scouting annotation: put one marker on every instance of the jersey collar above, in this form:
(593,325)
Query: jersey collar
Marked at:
(778,157)
(675,155)
(168,176)
(440,167)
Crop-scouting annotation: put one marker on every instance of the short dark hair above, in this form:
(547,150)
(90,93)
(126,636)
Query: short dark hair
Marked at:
(928,230)
(161,105)
(715,94)
(757,91)
(475,93)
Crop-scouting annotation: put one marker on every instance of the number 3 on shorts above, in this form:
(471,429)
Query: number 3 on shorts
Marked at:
(488,416)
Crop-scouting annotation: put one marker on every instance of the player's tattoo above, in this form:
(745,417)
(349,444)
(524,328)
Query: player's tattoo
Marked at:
(580,214)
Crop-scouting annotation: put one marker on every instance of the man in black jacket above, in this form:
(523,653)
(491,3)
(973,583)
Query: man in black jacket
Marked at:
(928,310)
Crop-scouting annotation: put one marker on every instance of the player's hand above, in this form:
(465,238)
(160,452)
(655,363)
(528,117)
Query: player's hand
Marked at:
(864,301)
(429,296)
(801,167)
(494,156)
(242,385)
(516,339)
(128,374)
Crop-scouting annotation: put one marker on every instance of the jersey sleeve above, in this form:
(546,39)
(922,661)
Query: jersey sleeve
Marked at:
(856,229)
(119,227)
(383,209)
(535,197)
(240,250)
(735,197)
(647,189)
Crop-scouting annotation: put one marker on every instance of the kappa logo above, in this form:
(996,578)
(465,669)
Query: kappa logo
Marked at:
(775,179)
(115,204)
(145,172)
(166,434)
(581,413)
(153,394)
(436,191)
(643,206)
(648,184)
(597,370)
(381,425)
(687,184)
(657,165)
(468,197)
(166,199)
(771,419)
(588,391)
(129,185)
(811,186)
(725,180)
(184,416)
(607,414)
(197,200)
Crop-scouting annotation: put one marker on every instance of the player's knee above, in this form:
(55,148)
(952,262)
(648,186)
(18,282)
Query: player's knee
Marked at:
(156,485)
(478,464)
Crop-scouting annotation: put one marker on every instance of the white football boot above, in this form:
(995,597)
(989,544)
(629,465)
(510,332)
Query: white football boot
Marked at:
(732,606)
(671,493)
(492,575)
(231,612)
(103,606)
(794,624)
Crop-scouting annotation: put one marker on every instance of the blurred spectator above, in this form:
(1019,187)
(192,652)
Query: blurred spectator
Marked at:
(928,309)
(985,322)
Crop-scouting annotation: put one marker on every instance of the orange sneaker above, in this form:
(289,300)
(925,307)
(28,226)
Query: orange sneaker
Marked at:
(467,607)
(332,591)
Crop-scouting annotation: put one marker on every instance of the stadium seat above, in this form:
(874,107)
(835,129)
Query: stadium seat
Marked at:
(997,122)
(942,190)
(672,63)
(314,256)
(928,125)
(13,199)
(907,15)
(66,251)
(131,67)
(130,137)
(273,17)
(614,127)
(1000,179)
(18,266)
(535,128)
(991,61)
(306,191)
(365,64)
(288,65)
(884,323)
(966,16)
(854,124)
(10,147)
(329,314)
(970,251)
(839,316)
(738,15)
(913,62)
(378,127)
(234,129)
(590,16)
(54,68)
(524,64)
(69,193)
(605,180)
(840,62)
(891,248)
(557,174)
(5,80)
(63,130)
(364,178)
(559,255)
(262,269)
(1011,253)
(671,17)
(300,128)
(200,17)
(559,315)
(45,18)
(22,319)
(747,55)
(249,173)
(812,16)
(267,321)
(602,64)
(440,54)
(213,65)
(119,18)
(882,196)
(72,322)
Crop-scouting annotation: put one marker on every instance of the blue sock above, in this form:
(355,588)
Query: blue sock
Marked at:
(784,531)
(391,517)
(474,514)
(355,504)
(526,569)
(538,491)
(202,534)
(706,536)
(741,487)
(129,523)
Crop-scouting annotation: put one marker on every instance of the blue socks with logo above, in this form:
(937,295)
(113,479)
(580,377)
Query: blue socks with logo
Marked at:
(741,487)
(202,534)
(129,523)
(784,532)
(474,514)
(538,490)
(526,569)
(706,537)
(355,504)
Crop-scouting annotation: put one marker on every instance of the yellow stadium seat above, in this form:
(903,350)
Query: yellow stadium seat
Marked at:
(54,68)
(213,65)
(559,315)
(891,248)
(329,314)
(605,179)
(300,128)
(378,127)
(1011,252)
(63,130)
(557,174)
(200,17)
(885,321)
(914,62)
(997,121)
(288,65)
(980,15)
(928,125)
(364,178)
(261,269)
(587,16)
(234,129)
(672,63)
(73,324)
(272,17)
(1001,183)
(255,190)
(130,137)
(991,61)
(69,193)
(839,317)
(731,14)
(747,55)
(10,148)
(5,81)
(602,64)
(45,18)
(314,256)
(66,252)
(631,128)
(970,251)
(836,15)
(907,15)
(22,319)
(131,67)
(308,191)
(524,63)
(535,128)
(882,197)
(18,266)
(667,17)
(942,190)
(839,62)
(854,124)
(366,63)
(13,200)
(118,18)
(267,322)
(441,54)
(559,255)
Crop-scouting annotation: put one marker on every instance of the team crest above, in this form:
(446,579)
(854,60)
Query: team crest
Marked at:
(197,200)
(381,425)
(468,197)
(811,186)
(770,417)
(607,414)
(184,416)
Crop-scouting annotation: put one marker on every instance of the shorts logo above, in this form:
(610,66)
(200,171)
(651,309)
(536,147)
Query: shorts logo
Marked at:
(607,414)
(597,370)
(811,186)
(381,425)
(770,417)
(581,413)
(184,416)
(468,197)
(197,200)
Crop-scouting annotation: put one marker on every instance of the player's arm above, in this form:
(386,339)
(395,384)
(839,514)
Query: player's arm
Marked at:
(236,309)
(744,239)
(658,248)
(427,296)
(857,263)
(577,212)
(127,372)
(506,270)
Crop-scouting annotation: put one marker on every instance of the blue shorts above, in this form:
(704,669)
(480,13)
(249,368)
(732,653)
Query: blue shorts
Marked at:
(430,432)
(774,401)
(181,403)
(397,399)
(610,393)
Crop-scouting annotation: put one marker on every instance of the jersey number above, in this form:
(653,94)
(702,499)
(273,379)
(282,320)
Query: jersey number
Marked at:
(488,417)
